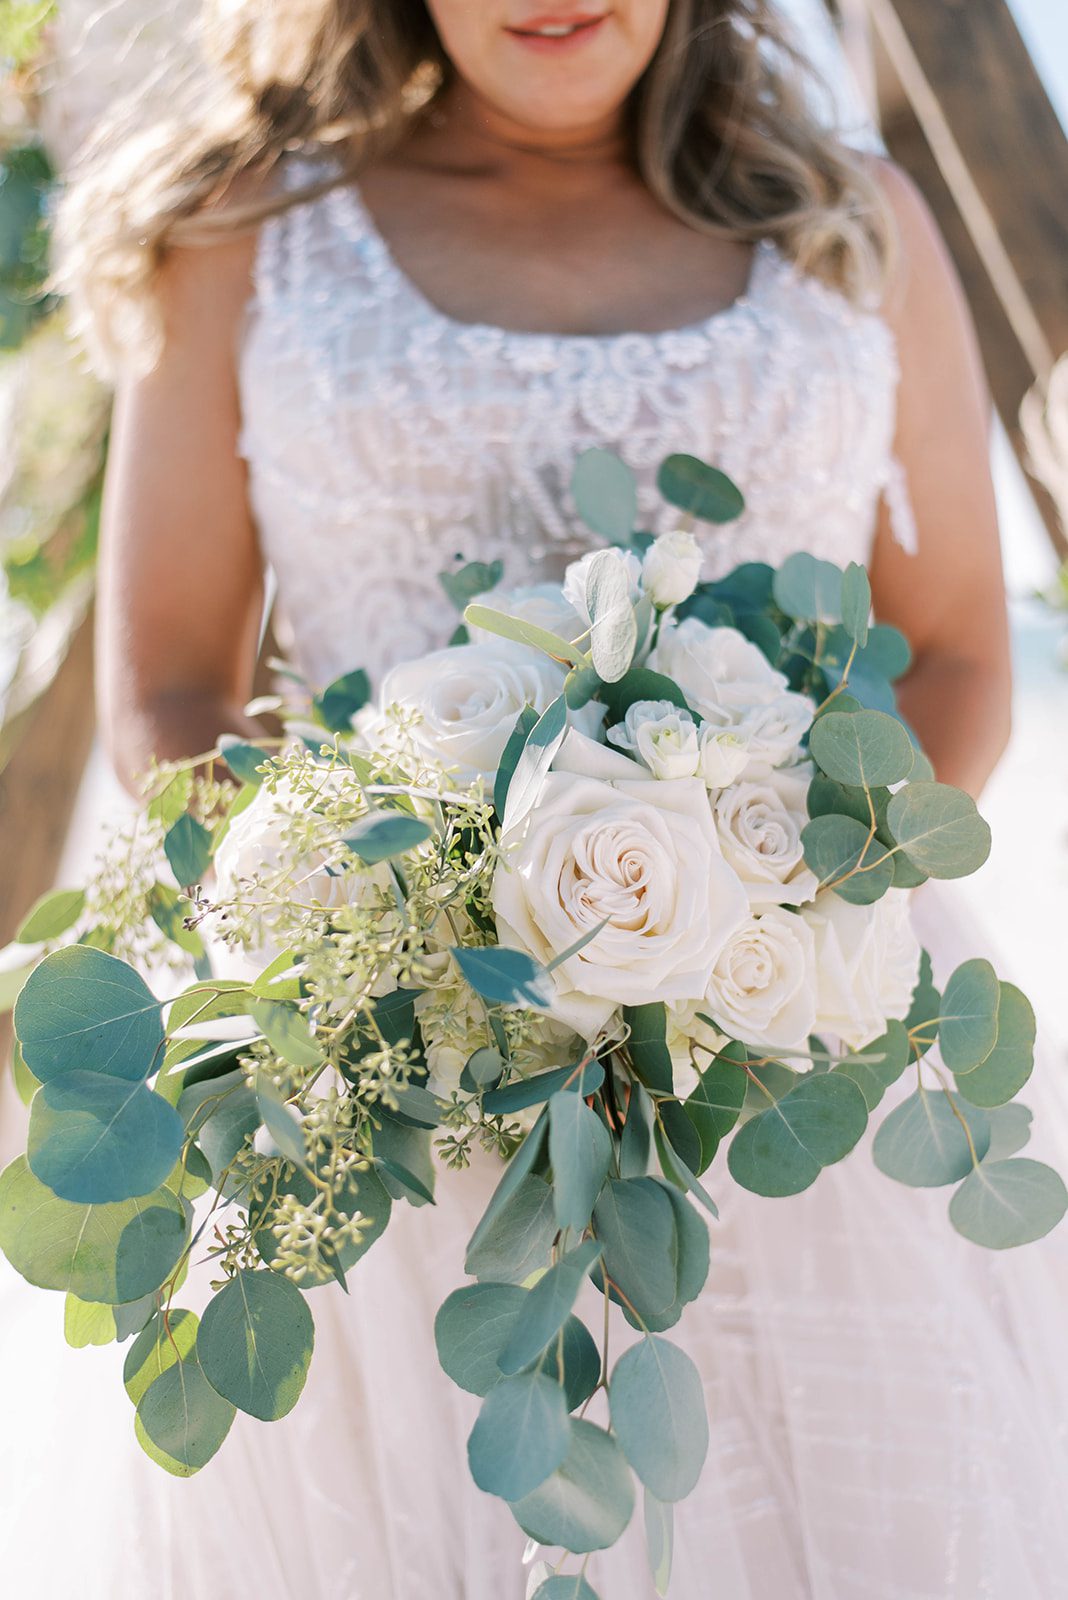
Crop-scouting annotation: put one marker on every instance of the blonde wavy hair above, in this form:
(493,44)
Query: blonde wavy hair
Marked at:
(722,130)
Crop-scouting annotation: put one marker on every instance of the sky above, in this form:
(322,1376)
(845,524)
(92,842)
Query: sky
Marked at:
(1044,25)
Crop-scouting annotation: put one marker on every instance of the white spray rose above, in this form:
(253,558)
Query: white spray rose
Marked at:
(759,825)
(763,985)
(577,573)
(542,604)
(468,698)
(730,683)
(671,568)
(661,736)
(723,755)
(255,865)
(641,857)
(868,961)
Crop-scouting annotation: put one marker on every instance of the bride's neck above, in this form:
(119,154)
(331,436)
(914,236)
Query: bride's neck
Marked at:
(463,130)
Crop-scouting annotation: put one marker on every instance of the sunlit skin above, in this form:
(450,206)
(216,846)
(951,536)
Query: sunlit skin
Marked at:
(515,203)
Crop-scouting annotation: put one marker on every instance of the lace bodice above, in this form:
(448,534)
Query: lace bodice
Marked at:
(385,440)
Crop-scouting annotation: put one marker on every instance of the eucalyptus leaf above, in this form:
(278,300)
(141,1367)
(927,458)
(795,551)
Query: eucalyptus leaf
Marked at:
(782,1150)
(878,1065)
(923,1141)
(1010,1129)
(166,908)
(565,1586)
(51,915)
(282,1123)
(86,1323)
(83,1009)
(1002,1204)
(535,759)
(640,683)
(542,1086)
(847,858)
(188,845)
(383,834)
(856,602)
(968,1022)
(865,749)
(255,1343)
(808,589)
(636,1141)
(181,1420)
(525,724)
(476,577)
(635,1222)
(580,1150)
(702,490)
(648,1045)
(521,1436)
(516,1173)
(286,1030)
(94,1139)
(519,1238)
(109,1254)
(340,701)
(715,1104)
(659,1540)
(587,1502)
(1009,1065)
(500,623)
(613,625)
(472,1328)
(168,1337)
(658,1415)
(503,976)
(605,494)
(243,759)
(939,829)
(547,1307)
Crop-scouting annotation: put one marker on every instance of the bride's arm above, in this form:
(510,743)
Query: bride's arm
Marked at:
(949,598)
(180,580)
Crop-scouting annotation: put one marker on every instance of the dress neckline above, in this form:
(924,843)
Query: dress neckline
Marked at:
(765,257)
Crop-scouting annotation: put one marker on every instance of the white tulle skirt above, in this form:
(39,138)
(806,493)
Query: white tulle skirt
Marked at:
(888,1405)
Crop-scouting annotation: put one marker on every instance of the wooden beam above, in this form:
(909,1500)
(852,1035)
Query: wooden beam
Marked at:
(965,113)
(40,780)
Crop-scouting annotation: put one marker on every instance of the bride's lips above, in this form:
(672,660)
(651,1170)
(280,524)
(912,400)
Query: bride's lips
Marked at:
(582,25)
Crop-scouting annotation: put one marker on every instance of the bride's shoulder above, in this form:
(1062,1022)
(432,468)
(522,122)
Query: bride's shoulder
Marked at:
(920,267)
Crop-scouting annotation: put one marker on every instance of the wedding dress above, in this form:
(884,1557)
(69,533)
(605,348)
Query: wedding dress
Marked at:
(888,1403)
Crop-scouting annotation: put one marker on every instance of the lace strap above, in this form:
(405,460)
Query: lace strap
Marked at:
(895,489)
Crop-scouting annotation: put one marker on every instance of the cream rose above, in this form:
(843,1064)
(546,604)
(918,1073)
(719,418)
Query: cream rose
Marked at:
(868,963)
(542,604)
(731,684)
(759,826)
(468,698)
(763,985)
(671,568)
(641,857)
(664,738)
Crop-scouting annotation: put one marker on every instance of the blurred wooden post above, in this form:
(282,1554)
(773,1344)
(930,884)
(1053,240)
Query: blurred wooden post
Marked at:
(964,111)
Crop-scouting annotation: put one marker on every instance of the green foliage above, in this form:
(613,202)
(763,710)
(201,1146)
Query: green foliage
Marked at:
(518,1237)
(547,1307)
(846,857)
(532,1091)
(506,627)
(286,1030)
(521,1435)
(83,1009)
(525,724)
(587,1502)
(108,1254)
(188,847)
(868,749)
(703,491)
(95,1139)
(476,577)
(659,1540)
(784,1149)
(87,1324)
(878,1065)
(26,177)
(640,683)
(506,977)
(613,624)
(939,829)
(243,759)
(255,1343)
(635,1222)
(340,701)
(181,1420)
(925,1140)
(383,834)
(565,1586)
(51,915)
(968,1023)
(658,1416)
(808,589)
(856,603)
(1003,1073)
(580,1150)
(648,1045)
(519,792)
(471,1330)
(168,1337)
(605,494)
(1003,1204)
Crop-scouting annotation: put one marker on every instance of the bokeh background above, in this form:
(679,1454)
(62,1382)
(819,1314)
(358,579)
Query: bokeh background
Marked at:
(971,96)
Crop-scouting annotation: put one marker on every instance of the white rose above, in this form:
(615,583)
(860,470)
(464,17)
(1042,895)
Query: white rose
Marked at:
(641,857)
(661,736)
(542,604)
(685,1027)
(763,985)
(468,698)
(723,755)
(731,684)
(577,573)
(759,826)
(868,962)
(671,568)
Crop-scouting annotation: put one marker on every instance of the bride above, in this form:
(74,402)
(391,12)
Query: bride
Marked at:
(363,329)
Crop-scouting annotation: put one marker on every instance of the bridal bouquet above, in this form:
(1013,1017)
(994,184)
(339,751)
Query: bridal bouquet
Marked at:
(617,878)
